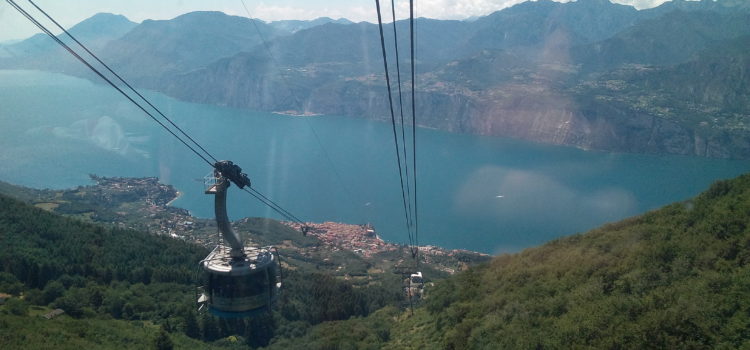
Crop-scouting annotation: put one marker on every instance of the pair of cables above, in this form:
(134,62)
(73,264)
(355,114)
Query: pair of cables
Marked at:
(408,185)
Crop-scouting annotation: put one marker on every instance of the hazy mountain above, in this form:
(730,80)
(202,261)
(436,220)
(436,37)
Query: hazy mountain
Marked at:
(358,44)
(293,26)
(440,41)
(11,42)
(719,76)
(709,95)
(40,50)
(535,24)
(155,49)
(537,92)
(722,6)
(539,70)
(672,38)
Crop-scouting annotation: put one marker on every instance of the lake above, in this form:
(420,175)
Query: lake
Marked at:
(480,193)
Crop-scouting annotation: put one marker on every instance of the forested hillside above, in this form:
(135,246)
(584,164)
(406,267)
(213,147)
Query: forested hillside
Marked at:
(95,275)
(674,278)
(107,276)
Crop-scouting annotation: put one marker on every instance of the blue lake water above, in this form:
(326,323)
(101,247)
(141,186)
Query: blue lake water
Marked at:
(480,193)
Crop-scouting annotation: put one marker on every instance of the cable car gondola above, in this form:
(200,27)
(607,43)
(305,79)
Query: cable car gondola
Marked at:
(241,280)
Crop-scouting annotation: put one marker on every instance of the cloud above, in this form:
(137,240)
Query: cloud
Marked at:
(365,11)
(450,9)
(507,195)
(272,12)
(104,133)
(641,4)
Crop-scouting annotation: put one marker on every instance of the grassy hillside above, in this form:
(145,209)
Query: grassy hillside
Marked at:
(674,278)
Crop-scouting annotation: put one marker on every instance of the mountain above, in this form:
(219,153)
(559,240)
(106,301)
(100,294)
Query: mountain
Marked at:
(542,91)
(40,51)
(442,41)
(673,278)
(533,24)
(719,76)
(722,6)
(155,50)
(672,38)
(707,97)
(293,26)
(540,70)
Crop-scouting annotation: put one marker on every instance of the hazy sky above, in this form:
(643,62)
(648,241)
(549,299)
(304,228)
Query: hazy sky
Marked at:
(69,12)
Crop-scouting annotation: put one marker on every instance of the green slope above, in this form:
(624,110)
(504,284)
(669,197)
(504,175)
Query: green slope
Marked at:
(64,332)
(135,282)
(95,275)
(677,277)
(674,278)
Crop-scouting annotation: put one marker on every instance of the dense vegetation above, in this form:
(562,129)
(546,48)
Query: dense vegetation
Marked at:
(102,275)
(678,277)
(675,278)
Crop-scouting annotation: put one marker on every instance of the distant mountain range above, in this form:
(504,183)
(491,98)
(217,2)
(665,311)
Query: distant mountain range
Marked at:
(589,73)
(293,26)
(42,53)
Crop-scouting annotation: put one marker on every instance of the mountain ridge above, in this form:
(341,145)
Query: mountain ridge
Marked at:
(549,91)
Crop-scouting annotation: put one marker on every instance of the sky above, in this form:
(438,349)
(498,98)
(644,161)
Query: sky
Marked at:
(13,26)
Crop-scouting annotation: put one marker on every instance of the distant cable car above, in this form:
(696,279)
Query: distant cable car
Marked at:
(416,285)
(241,281)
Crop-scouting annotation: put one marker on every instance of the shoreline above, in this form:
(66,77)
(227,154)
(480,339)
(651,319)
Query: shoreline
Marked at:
(179,194)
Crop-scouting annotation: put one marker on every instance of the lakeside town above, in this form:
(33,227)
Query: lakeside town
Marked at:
(144,204)
(362,239)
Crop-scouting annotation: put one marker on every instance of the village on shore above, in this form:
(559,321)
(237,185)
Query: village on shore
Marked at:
(144,204)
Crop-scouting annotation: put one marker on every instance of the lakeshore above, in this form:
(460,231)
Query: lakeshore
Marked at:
(145,204)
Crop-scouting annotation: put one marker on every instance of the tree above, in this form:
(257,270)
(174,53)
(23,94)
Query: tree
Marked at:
(52,291)
(10,284)
(210,328)
(192,329)
(16,307)
(163,341)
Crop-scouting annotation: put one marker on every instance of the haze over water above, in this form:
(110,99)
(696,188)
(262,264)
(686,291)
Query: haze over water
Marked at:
(485,194)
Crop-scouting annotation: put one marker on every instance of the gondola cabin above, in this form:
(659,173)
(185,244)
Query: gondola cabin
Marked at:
(241,287)
(241,280)
(416,285)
